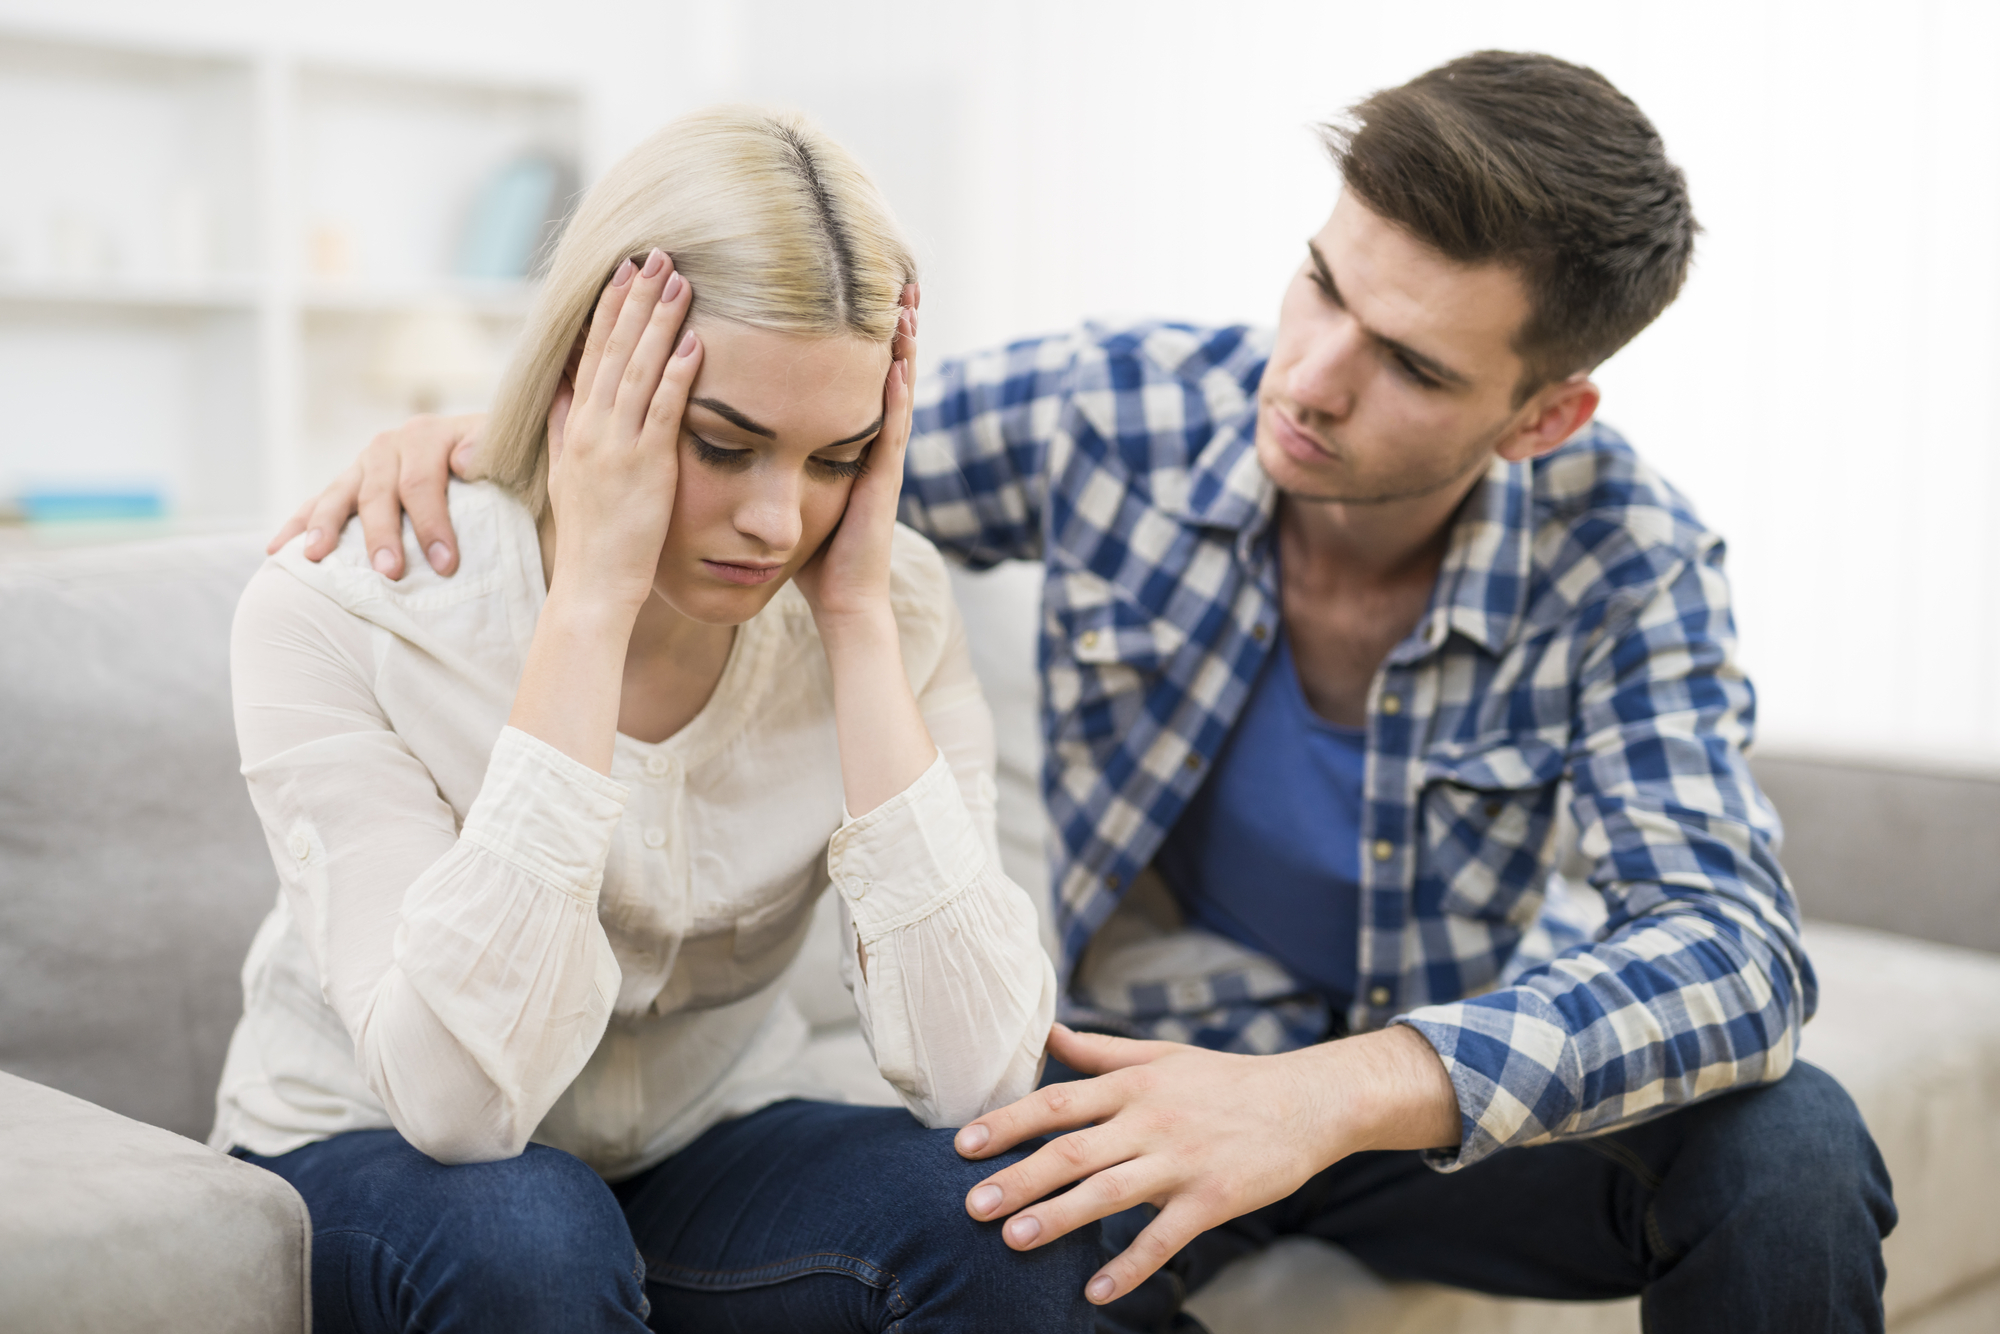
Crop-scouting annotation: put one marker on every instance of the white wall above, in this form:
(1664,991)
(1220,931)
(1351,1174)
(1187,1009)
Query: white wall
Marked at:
(1823,389)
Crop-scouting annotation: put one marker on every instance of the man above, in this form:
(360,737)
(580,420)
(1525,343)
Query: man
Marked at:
(1335,623)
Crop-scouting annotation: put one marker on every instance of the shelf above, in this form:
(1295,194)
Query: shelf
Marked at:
(141,294)
(493,299)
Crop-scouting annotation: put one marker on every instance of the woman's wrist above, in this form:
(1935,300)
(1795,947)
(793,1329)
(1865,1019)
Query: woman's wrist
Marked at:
(866,631)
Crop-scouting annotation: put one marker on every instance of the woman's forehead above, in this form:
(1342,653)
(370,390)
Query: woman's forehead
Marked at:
(792,383)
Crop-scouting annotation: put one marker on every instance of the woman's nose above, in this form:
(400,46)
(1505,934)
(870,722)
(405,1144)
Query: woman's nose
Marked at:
(770,513)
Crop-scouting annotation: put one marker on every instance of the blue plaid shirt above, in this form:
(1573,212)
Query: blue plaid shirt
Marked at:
(1578,649)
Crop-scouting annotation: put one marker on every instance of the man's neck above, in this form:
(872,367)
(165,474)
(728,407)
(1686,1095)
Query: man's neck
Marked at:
(1382,543)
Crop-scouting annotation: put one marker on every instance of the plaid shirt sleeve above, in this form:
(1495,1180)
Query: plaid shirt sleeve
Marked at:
(1697,983)
(974,480)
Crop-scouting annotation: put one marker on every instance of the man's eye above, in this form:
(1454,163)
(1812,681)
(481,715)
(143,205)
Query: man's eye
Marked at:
(1413,374)
(716,457)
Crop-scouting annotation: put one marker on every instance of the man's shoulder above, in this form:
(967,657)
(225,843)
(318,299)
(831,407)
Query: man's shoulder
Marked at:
(1152,394)
(1604,518)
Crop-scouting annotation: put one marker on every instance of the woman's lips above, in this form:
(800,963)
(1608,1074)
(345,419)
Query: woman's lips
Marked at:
(1298,446)
(731,573)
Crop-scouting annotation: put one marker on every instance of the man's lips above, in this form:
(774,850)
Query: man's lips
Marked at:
(1298,446)
(735,572)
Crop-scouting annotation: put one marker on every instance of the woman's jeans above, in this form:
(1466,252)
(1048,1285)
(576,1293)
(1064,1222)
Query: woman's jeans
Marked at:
(804,1216)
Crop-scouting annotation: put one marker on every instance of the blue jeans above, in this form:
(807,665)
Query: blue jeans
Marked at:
(1760,1210)
(804,1216)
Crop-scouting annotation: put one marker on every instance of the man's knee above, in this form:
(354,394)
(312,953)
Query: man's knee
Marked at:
(1800,1141)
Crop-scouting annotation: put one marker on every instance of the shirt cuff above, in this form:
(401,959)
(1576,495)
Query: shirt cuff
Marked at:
(546,813)
(909,856)
(1512,1064)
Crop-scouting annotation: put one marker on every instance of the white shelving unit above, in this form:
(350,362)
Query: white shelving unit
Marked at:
(203,256)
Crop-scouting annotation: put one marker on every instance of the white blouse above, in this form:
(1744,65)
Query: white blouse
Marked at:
(480,941)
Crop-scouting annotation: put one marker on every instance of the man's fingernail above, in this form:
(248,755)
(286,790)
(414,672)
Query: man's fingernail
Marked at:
(985,1200)
(973,1138)
(1063,1028)
(1100,1288)
(385,561)
(440,555)
(1024,1230)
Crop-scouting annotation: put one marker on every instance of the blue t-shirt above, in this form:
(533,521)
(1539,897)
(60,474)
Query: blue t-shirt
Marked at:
(1268,851)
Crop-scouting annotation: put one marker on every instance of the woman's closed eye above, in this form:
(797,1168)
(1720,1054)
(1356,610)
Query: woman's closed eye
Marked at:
(853,467)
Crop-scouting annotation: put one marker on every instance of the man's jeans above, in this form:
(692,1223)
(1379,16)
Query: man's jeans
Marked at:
(1760,1210)
(804,1216)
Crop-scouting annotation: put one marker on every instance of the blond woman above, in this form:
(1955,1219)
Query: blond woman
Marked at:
(550,833)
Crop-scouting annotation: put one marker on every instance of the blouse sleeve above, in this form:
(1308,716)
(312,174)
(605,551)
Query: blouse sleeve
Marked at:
(956,995)
(467,965)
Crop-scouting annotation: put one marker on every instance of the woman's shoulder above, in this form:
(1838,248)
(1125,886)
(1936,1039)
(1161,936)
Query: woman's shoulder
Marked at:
(497,547)
(919,583)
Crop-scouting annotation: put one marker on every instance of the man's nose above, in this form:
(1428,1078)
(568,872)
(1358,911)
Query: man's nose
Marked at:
(1327,374)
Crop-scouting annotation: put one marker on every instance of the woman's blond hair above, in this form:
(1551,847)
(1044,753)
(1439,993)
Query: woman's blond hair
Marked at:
(774,224)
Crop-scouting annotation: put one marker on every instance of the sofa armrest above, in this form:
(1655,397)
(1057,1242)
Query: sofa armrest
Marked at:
(110,1224)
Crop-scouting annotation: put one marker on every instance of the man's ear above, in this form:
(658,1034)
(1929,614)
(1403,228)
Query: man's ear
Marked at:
(1557,412)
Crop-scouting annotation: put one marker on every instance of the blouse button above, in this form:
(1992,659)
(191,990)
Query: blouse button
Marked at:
(859,889)
(656,765)
(1378,996)
(300,845)
(656,838)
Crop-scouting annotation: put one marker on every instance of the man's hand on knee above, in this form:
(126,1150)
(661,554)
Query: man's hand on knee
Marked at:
(1205,1136)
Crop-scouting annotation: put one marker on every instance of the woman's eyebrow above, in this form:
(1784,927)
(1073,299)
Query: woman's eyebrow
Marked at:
(863,434)
(734,418)
(743,422)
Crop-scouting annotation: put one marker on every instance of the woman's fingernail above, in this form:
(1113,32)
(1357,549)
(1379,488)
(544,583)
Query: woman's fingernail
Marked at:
(440,555)
(654,263)
(1024,1230)
(985,1200)
(313,538)
(1100,1288)
(673,288)
(385,561)
(623,275)
(973,1138)
(686,349)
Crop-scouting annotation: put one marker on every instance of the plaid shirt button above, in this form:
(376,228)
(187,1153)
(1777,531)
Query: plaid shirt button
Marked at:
(1384,849)
(1379,996)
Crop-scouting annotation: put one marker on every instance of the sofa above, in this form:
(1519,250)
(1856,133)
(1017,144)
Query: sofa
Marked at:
(132,875)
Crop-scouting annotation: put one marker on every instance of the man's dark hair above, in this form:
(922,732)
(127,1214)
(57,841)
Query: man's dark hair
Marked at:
(1542,165)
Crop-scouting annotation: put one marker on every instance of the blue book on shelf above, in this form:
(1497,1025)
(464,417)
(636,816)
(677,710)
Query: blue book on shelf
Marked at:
(91,505)
(508,219)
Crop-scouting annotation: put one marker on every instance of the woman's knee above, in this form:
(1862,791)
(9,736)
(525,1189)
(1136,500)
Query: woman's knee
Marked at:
(1038,1289)
(494,1246)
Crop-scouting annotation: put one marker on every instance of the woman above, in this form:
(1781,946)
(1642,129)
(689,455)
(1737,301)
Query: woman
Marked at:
(550,832)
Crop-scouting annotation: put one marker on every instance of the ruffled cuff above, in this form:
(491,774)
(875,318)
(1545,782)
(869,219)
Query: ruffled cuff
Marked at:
(909,856)
(544,812)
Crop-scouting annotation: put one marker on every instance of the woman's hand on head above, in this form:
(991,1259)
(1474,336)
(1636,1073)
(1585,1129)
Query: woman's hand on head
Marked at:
(614,436)
(849,576)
